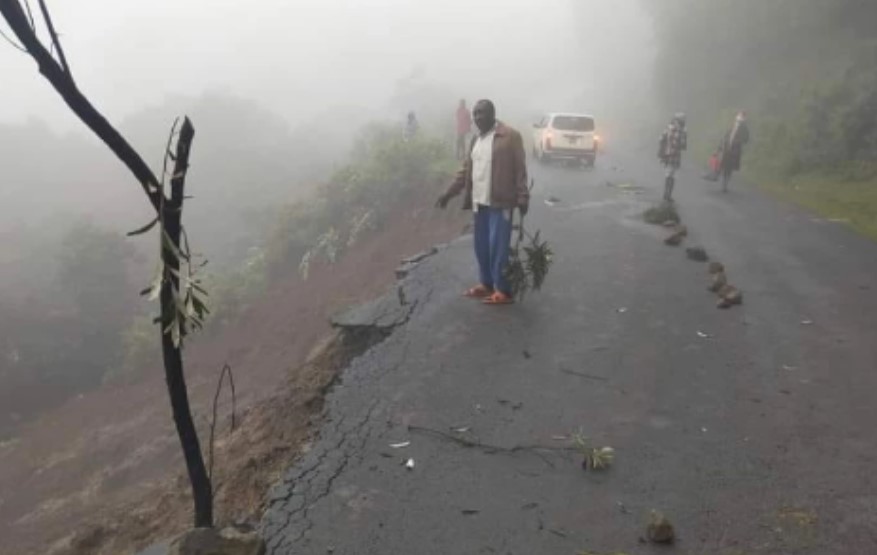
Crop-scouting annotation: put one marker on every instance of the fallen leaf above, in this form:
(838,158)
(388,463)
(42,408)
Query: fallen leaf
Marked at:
(400,445)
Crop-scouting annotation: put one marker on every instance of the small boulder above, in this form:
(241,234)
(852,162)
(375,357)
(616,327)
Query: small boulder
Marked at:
(698,254)
(715,267)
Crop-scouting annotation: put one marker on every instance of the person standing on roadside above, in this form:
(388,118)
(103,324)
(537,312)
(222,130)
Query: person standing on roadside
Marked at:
(673,142)
(411,127)
(731,149)
(494,182)
(464,127)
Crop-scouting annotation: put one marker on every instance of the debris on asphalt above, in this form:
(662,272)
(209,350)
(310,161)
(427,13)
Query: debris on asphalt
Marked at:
(698,254)
(552,201)
(806,322)
(703,335)
(623,508)
(621,310)
(595,458)
(479,408)
(514,406)
(788,368)
(526,353)
(675,238)
(470,512)
(400,445)
(409,464)
(659,529)
(704,430)
(584,375)
(461,430)
(529,506)
(660,213)
(729,296)
(559,438)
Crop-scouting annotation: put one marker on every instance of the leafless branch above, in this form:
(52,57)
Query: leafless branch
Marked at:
(226,370)
(54,35)
(33,25)
(12,42)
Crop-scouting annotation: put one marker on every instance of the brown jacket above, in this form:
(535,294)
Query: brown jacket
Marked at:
(508,177)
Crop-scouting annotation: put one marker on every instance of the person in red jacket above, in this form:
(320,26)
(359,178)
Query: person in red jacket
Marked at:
(464,127)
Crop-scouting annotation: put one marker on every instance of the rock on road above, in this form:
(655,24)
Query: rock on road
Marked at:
(758,438)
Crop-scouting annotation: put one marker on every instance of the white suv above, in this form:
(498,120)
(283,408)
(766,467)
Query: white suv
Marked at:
(565,136)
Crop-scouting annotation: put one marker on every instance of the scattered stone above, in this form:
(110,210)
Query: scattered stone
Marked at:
(674,240)
(719,280)
(715,267)
(657,215)
(660,529)
(729,296)
(209,541)
(698,254)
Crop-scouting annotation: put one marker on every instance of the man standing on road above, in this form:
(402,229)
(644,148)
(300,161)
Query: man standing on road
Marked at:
(673,141)
(732,148)
(464,127)
(494,182)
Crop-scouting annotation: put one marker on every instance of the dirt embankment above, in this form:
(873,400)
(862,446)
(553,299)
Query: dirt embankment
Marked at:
(103,473)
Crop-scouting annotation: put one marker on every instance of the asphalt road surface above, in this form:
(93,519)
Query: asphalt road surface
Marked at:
(752,429)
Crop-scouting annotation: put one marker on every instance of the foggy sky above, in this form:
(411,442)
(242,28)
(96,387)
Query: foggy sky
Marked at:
(299,57)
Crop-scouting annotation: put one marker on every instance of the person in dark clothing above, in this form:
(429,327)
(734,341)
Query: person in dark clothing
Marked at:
(672,143)
(411,127)
(731,149)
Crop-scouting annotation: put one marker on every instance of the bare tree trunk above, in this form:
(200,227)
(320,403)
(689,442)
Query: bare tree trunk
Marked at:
(173,359)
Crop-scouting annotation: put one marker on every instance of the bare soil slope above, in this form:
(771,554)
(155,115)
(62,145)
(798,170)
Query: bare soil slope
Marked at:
(103,473)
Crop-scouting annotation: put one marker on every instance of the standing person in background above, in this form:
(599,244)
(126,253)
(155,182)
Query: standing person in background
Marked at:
(670,147)
(493,180)
(411,127)
(464,127)
(731,149)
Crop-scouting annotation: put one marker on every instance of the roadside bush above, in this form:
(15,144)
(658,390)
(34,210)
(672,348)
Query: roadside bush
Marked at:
(383,171)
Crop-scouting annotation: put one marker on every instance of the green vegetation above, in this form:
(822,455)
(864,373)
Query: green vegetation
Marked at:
(383,171)
(853,203)
(806,71)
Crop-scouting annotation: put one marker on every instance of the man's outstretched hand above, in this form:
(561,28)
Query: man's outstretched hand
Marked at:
(442,201)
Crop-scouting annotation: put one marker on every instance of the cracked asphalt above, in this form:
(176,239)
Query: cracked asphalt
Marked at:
(752,429)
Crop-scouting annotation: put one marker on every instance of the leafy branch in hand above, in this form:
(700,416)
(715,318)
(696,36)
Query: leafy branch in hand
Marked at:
(529,262)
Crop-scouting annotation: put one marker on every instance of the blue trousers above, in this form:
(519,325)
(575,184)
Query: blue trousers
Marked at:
(493,237)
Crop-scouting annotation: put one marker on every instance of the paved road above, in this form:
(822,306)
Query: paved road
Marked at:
(757,439)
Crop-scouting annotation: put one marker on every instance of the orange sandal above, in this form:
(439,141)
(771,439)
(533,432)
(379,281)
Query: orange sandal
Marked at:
(478,292)
(498,298)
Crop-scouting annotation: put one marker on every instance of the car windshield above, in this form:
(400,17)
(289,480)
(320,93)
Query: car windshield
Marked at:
(573,123)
